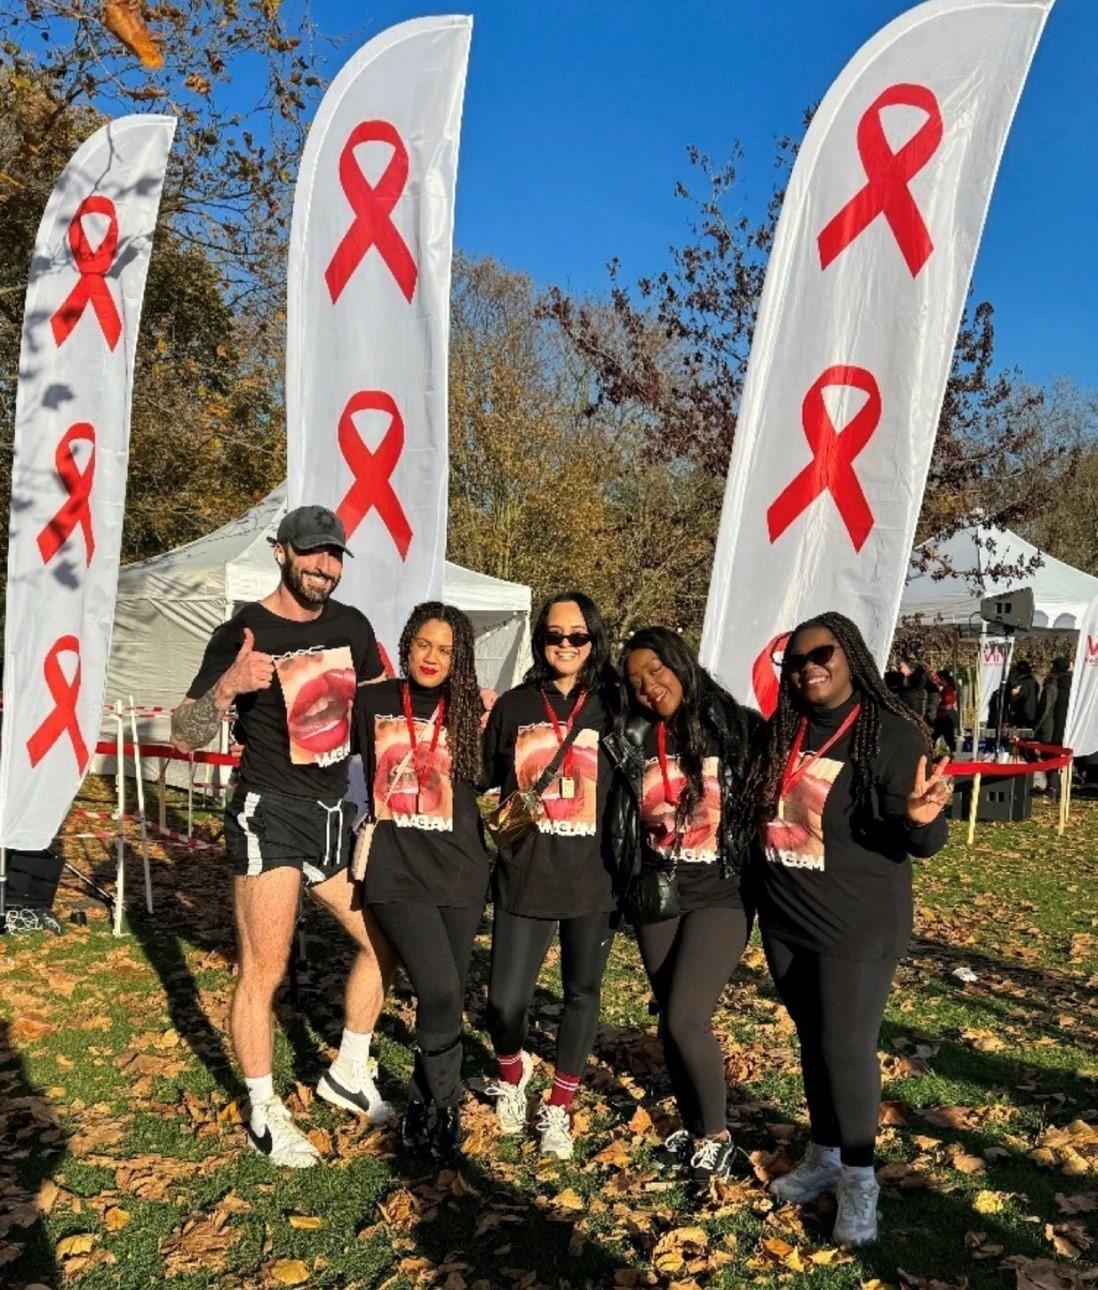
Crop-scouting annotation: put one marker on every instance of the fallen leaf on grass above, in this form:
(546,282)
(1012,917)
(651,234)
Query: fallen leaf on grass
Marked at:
(116,1218)
(1078,1204)
(569,1199)
(289,1272)
(1044,1274)
(31,1026)
(201,1244)
(81,1243)
(306,1222)
(980,1247)
(990,1202)
(640,1122)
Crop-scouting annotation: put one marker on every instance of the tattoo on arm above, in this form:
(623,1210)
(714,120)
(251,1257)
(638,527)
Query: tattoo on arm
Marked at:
(195,722)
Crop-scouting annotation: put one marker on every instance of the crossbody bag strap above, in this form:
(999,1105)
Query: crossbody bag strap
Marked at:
(547,774)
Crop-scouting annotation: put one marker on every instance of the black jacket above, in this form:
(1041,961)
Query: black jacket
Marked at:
(737,731)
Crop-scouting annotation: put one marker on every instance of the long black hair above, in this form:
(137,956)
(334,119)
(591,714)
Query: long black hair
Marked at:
(464,707)
(875,698)
(597,674)
(707,712)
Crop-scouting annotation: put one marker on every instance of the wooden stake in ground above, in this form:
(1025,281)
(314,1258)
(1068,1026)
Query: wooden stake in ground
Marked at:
(976,779)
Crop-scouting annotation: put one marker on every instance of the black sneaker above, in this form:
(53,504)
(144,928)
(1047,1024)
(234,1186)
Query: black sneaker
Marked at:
(446,1135)
(676,1151)
(713,1159)
(414,1130)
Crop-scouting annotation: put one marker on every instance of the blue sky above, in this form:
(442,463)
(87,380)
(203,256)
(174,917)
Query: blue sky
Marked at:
(578,114)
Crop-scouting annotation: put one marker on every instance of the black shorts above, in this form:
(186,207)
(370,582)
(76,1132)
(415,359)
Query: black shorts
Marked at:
(265,830)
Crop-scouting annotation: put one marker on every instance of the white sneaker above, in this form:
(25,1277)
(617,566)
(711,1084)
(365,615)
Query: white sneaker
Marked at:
(818,1172)
(856,1220)
(556,1131)
(511,1100)
(352,1087)
(272,1132)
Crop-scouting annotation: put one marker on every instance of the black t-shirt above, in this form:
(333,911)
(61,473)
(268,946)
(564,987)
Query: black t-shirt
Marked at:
(696,853)
(560,871)
(427,846)
(297,733)
(828,885)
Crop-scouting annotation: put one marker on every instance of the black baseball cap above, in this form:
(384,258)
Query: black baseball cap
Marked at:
(308,527)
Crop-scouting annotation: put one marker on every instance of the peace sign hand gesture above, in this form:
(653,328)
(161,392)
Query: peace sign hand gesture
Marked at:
(928,797)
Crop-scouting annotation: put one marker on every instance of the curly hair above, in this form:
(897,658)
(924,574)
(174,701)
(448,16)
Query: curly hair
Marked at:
(695,722)
(875,697)
(464,707)
(597,674)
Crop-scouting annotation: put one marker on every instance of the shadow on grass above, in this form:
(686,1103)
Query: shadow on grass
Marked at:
(31,1142)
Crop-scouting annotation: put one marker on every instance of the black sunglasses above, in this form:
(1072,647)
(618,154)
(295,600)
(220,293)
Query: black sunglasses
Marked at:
(578,639)
(821,656)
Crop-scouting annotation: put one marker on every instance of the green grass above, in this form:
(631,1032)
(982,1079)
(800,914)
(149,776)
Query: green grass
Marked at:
(117,1110)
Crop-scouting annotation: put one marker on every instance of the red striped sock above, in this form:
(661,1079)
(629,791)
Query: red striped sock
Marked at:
(510,1067)
(564,1089)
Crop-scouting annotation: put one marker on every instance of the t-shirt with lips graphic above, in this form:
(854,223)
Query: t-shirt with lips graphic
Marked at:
(560,871)
(427,846)
(696,850)
(829,886)
(297,732)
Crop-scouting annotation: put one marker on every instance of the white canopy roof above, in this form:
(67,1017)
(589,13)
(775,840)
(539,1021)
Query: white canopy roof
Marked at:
(168,606)
(1060,592)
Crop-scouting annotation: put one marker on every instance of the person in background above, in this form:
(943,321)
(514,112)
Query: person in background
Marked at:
(685,788)
(556,881)
(1052,708)
(946,722)
(845,797)
(919,691)
(1024,695)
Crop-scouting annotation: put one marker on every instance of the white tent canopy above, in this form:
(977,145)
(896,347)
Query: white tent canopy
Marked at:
(169,605)
(1061,593)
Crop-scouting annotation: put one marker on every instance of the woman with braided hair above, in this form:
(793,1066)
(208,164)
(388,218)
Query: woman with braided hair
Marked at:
(427,874)
(846,799)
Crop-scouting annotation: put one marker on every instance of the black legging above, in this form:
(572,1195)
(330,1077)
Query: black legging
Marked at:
(519,946)
(837,1006)
(434,946)
(689,961)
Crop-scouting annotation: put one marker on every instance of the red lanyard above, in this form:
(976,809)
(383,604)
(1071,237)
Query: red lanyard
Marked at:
(562,732)
(422,765)
(661,753)
(793,771)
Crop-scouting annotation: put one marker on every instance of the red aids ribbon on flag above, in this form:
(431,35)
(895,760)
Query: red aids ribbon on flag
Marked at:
(888,174)
(77,507)
(373,471)
(764,674)
(62,720)
(832,466)
(92,265)
(372,207)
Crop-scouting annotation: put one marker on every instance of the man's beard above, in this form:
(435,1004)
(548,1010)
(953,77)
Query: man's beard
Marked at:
(293,577)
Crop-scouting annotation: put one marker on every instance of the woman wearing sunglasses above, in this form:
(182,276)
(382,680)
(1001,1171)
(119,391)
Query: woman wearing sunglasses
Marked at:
(556,876)
(846,798)
(427,870)
(686,782)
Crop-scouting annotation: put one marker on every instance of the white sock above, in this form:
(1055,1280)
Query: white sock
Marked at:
(827,1155)
(354,1047)
(260,1092)
(859,1173)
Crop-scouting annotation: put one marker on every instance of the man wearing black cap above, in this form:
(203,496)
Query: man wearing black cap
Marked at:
(291,665)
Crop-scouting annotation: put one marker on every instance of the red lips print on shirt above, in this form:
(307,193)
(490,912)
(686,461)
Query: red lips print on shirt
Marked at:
(319,689)
(397,795)
(699,841)
(535,747)
(796,840)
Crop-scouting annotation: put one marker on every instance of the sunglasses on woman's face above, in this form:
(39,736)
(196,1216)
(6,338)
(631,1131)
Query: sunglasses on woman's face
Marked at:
(578,639)
(820,656)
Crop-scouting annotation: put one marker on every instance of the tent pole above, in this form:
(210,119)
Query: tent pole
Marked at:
(139,772)
(120,825)
(972,806)
(3,879)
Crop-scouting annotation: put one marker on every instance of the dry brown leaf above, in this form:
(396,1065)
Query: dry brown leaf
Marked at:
(569,1199)
(80,1243)
(1082,1203)
(640,1122)
(990,1202)
(123,19)
(30,1026)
